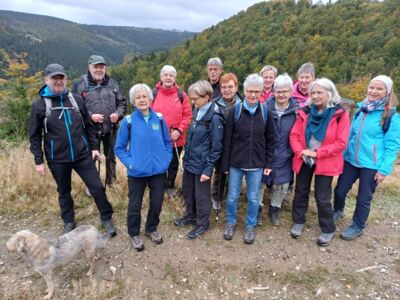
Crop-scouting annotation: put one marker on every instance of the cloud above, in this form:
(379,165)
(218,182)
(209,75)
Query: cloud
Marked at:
(188,15)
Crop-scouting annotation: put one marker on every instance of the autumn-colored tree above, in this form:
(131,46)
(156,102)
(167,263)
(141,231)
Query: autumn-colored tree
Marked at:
(16,91)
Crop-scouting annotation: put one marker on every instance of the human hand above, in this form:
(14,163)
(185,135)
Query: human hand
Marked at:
(267,171)
(204,178)
(175,134)
(41,169)
(114,118)
(97,118)
(379,177)
(96,155)
(309,153)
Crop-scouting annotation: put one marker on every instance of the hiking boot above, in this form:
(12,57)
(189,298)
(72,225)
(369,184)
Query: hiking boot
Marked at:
(229,231)
(249,235)
(297,230)
(137,243)
(259,216)
(325,238)
(184,221)
(68,227)
(109,227)
(337,215)
(216,205)
(154,236)
(274,215)
(196,232)
(87,192)
(351,232)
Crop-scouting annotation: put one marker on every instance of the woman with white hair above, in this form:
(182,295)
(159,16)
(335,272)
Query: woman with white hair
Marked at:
(144,147)
(249,142)
(284,112)
(374,143)
(305,75)
(318,139)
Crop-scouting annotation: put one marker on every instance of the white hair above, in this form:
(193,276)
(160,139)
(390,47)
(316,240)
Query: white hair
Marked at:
(329,86)
(283,80)
(138,87)
(268,68)
(169,69)
(306,68)
(216,61)
(254,80)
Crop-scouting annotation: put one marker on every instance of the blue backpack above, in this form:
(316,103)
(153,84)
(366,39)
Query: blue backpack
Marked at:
(238,111)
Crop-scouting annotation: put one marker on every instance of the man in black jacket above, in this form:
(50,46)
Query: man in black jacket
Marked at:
(106,106)
(60,122)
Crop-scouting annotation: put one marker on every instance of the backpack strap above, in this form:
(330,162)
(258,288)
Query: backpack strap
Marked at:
(48,103)
(264,112)
(238,111)
(387,120)
(180,94)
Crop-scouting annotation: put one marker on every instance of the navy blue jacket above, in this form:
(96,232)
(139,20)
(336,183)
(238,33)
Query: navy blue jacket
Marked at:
(204,142)
(282,168)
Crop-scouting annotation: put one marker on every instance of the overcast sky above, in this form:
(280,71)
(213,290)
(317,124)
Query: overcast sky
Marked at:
(191,15)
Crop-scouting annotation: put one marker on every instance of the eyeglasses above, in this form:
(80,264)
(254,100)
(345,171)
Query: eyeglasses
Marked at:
(251,92)
(281,92)
(227,87)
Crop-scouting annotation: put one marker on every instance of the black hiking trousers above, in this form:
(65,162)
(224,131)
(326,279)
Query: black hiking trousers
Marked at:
(86,169)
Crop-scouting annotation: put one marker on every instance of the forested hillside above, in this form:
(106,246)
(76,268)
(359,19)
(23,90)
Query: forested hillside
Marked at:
(46,40)
(346,40)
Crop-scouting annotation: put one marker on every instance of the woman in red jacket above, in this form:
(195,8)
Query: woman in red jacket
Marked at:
(318,139)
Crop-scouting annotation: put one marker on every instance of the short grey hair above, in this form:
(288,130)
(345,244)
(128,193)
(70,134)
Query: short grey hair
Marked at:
(216,61)
(268,68)
(138,87)
(169,69)
(283,80)
(306,68)
(254,80)
(333,95)
(201,88)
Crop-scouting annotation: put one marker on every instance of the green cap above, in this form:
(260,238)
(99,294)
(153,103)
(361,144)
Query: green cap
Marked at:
(96,59)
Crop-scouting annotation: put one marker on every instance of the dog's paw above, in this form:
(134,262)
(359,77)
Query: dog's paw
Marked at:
(89,273)
(48,296)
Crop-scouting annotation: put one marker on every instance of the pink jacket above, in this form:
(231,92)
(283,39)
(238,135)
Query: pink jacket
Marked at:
(265,96)
(175,114)
(330,154)
(299,96)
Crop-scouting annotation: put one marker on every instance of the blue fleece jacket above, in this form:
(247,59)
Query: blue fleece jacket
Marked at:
(150,150)
(368,146)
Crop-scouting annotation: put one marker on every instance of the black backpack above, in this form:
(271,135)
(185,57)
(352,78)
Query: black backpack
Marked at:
(180,95)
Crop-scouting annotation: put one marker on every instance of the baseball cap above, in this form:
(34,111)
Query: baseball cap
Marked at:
(54,69)
(96,59)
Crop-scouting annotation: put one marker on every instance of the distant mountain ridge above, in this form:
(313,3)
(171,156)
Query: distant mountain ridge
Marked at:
(48,39)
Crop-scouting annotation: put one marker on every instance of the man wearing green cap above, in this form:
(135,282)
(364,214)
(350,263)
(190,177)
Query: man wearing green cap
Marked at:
(106,106)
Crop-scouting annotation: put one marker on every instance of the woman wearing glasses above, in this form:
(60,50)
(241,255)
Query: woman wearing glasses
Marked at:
(249,142)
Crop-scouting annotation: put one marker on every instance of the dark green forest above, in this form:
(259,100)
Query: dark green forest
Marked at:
(346,40)
(47,40)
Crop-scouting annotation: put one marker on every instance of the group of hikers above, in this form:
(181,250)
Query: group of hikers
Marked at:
(278,128)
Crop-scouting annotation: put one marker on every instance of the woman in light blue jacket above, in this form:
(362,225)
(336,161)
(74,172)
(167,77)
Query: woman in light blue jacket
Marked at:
(374,143)
(144,147)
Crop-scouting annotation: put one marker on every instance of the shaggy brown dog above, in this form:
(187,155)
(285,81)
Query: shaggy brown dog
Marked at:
(45,255)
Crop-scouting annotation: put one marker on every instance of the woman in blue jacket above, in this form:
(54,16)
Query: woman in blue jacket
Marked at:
(373,146)
(202,150)
(284,112)
(144,147)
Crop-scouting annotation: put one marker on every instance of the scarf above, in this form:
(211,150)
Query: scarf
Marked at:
(368,106)
(251,109)
(317,123)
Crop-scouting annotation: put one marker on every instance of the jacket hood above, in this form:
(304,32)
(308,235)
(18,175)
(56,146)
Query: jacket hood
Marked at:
(44,91)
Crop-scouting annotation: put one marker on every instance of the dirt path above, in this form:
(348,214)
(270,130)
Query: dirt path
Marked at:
(274,267)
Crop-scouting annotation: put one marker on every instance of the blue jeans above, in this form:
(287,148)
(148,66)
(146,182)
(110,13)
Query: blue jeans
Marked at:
(366,189)
(253,181)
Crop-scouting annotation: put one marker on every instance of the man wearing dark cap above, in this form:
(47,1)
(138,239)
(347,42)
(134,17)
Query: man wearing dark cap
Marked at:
(106,107)
(61,123)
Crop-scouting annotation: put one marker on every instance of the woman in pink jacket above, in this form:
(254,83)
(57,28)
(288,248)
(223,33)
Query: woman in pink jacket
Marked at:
(318,139)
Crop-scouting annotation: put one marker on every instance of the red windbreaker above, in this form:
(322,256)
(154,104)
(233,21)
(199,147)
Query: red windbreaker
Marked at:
(175,114)
(330,154)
